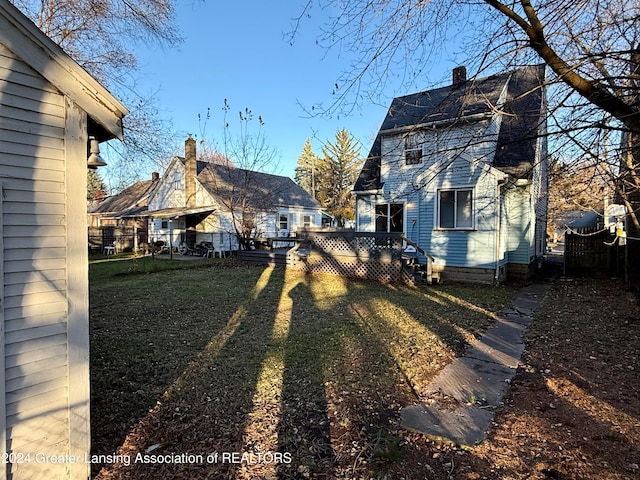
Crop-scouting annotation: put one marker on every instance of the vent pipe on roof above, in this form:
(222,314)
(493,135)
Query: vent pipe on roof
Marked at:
(459,75)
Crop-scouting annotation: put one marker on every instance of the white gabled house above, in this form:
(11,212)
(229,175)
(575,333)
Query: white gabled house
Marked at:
(49,106)
(462,171)
(194,200)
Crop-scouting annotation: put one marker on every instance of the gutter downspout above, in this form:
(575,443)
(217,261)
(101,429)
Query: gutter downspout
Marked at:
(499,185)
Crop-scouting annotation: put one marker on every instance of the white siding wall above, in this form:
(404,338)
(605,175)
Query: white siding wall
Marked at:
(365,213)
(166,195)
(35,276)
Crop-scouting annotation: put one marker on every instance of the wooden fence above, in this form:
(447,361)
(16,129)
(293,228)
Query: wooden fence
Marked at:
(125,238)
(590,250)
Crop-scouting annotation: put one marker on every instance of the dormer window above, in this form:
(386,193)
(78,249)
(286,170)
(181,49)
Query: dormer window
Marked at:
(412,150)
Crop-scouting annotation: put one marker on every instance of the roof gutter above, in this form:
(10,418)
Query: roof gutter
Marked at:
(377,191)
(476,117)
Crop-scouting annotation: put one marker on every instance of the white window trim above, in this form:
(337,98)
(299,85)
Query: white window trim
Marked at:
(473,208)
(417,148)
(402,202)
(280,215)
(312,220)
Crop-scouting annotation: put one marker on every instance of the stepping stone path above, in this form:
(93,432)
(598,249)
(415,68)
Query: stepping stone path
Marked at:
(464,396)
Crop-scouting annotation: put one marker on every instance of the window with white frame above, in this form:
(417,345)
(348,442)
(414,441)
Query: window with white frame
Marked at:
(455,208)
(412,150)
(307,221)
(390,217)
(177,183)
(283,223)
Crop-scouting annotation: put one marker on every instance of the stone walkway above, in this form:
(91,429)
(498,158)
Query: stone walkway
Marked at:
(466,392)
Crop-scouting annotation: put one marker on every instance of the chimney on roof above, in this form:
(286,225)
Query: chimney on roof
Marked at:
(155,176)
(459,75)
(190,172)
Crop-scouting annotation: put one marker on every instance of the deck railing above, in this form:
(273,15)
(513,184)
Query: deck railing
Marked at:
(360,255)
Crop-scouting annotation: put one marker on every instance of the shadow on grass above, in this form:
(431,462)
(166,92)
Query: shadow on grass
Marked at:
(205,407)
(295,376)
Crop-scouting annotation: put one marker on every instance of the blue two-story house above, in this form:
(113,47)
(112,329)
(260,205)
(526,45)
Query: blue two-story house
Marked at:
(462,171)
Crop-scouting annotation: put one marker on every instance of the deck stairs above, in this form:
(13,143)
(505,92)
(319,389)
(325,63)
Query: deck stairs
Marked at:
(417,271)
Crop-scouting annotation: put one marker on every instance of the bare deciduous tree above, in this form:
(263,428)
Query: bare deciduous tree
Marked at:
(101,36)
(241,158)
(591,48)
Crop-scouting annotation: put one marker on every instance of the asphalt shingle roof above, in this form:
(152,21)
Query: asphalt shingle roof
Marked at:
(127,202)
(263,190)
(447,106)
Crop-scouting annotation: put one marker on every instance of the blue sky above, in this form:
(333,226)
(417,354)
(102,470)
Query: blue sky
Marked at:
(239,51)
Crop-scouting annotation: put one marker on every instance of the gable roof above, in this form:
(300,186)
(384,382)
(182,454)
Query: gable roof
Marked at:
(264,190)
(470,101)
(28,42)
(129,202)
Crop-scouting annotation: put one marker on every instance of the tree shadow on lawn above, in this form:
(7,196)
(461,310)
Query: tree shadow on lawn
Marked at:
(572,410)
(559,431)
(223,374)
(307,378)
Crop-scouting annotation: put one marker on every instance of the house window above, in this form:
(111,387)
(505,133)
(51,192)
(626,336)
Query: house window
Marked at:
(284,221)
(177,184)
(307,220)
(390,217)
(456,208)
(164,224)
(412,150)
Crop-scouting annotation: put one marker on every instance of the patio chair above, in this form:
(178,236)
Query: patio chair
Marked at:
(205,249)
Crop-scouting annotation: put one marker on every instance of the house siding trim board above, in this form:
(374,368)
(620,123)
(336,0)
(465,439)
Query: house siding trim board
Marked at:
(78,303)
(3,405)
(46,100)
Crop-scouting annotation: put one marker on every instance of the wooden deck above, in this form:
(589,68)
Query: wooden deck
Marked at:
(370,256)
(276,257)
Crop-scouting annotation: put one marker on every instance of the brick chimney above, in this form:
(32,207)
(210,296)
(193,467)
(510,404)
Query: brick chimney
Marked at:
(190,172)
(155,176)
(459,75)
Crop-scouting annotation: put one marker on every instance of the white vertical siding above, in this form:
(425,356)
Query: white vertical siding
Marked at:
(34,226)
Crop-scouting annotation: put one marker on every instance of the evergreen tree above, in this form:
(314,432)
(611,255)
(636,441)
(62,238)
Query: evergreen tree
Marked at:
(95,185)
(309,164)
(340,169)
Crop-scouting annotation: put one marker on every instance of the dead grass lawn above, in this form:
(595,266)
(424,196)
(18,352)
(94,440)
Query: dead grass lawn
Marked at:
(305,375)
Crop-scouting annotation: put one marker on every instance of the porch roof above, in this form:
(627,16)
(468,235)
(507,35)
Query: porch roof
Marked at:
(179,211)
